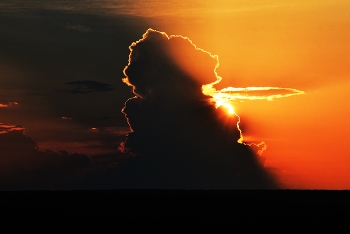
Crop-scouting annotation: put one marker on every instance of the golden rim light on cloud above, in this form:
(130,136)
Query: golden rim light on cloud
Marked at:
(224,96)
(229,93)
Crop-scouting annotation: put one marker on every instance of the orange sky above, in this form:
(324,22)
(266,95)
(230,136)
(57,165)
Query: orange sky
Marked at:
(286,44)
(296,44)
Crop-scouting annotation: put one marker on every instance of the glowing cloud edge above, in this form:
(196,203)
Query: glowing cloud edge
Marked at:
(223,96)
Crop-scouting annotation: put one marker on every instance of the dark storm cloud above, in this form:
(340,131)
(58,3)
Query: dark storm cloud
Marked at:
(88,86)
(180,139)
(24,167)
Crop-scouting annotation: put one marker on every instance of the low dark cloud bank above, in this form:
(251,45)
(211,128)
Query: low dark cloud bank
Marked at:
(24,167)
(180,140)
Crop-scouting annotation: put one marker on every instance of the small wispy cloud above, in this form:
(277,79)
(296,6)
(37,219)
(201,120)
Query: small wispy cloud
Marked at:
(6,128)
(254,93)
(9,104)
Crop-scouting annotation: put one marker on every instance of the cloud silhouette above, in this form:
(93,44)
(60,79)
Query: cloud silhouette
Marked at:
(24,167)
(178,136)
(88,86)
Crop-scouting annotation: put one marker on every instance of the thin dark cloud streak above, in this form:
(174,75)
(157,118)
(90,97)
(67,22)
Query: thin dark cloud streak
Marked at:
(88,86)
(100,7)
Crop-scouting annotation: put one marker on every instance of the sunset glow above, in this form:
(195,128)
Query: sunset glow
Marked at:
(278,71)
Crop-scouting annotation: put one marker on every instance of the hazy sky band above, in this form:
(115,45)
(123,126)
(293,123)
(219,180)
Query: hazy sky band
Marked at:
(146,8)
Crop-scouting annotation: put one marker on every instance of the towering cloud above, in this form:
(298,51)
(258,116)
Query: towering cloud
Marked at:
(180,138)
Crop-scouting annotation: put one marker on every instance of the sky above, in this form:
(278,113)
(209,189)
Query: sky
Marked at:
(61,71)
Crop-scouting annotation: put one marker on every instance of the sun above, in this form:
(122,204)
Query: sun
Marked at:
(229,108)
(230,118)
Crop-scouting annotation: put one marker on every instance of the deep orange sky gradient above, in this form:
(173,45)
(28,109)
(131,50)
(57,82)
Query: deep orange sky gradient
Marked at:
(290,45)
